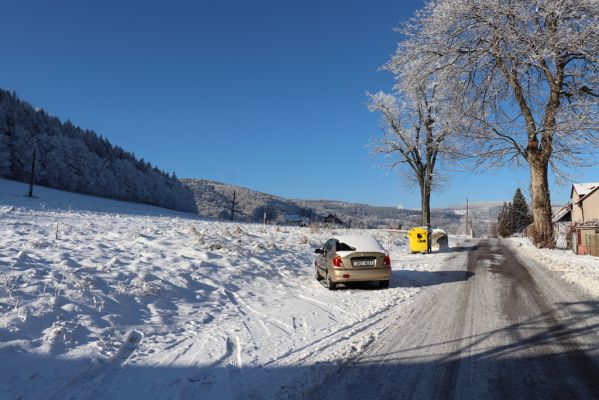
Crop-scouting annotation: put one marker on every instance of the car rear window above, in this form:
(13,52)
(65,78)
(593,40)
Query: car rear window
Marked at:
(361,243)
(344,247)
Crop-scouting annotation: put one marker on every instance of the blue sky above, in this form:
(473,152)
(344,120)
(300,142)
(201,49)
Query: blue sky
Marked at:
(269,95)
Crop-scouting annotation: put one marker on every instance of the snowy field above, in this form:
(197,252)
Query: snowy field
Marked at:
(108,299)
(582,271)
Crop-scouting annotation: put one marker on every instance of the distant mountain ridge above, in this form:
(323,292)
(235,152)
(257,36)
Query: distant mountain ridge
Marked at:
(214,199)
(77,160)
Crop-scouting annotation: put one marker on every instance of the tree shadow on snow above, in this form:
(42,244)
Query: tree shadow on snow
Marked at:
(410,279)
(461,249)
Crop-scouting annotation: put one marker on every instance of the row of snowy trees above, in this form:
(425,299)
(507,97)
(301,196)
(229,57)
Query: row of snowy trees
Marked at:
(494,83)
(77,160)
(514,217)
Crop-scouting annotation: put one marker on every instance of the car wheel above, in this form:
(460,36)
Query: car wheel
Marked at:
(329,283)
(317,275)
(383,284)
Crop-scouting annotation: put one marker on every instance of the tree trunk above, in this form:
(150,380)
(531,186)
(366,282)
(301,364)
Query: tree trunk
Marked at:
(233,205)
(541,203)
(32,177)
(425,199)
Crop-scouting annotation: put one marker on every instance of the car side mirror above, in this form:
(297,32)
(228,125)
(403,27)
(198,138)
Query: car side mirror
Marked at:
(319,251)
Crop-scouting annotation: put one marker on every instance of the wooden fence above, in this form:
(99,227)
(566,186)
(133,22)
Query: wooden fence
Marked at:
(592,244)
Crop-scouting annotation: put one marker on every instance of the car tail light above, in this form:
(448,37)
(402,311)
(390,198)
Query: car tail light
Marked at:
(337,263)
(387,261)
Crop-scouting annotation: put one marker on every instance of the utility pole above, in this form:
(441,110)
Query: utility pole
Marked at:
(467,231)
(32,175)
(233,205)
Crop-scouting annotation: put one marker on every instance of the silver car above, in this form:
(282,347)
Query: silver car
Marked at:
(352,259)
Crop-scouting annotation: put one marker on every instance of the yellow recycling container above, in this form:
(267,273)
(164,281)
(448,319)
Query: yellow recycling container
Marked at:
(418,239)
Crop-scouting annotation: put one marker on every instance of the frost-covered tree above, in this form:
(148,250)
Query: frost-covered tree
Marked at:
(73,159)
(5,159)
(414,136)
(528,71)
(22,145)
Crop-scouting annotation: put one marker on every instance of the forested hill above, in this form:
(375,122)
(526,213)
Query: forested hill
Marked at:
(214,199)
(78,160)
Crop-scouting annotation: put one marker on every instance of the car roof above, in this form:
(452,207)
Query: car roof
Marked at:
(362,243)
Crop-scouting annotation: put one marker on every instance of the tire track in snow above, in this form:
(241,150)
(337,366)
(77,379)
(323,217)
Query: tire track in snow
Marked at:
(238,301)
(189,344)
(222,360)
(210,380)
(235,370)
(376,323)
(240,305)
(322,305)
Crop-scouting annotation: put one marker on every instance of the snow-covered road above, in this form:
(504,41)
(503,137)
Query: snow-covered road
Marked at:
(507,330)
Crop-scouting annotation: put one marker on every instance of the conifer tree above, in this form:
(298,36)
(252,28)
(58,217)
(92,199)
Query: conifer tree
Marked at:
(501,219)
(505,221)
(5,163)
(519,212)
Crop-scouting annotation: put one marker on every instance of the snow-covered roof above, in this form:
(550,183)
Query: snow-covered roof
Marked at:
(364,243)
(589,193)
(332,219)
(559,214)
(584,188)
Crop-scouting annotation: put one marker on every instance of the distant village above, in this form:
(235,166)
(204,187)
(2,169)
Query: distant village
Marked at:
(331,221)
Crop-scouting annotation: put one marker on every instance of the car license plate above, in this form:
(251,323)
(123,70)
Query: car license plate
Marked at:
(363,263)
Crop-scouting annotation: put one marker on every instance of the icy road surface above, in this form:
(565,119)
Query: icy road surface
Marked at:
(508,330)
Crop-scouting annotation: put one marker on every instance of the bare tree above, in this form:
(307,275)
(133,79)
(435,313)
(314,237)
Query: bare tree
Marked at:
(413,136)
(528,71)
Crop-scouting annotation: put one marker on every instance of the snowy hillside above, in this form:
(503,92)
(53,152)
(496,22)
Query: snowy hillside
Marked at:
(70,158)
(214,199)
(106,299)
